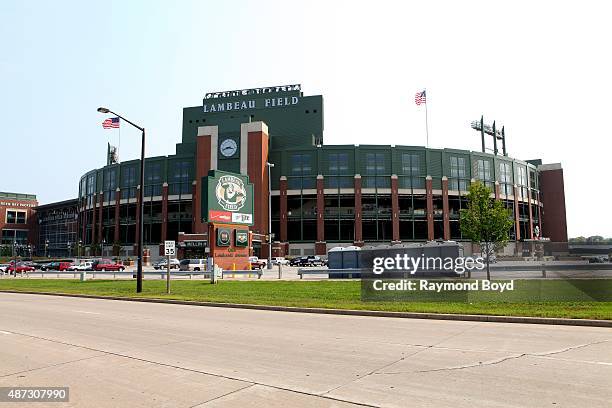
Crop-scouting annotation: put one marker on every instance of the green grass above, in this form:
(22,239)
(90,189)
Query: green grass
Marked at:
(322,294)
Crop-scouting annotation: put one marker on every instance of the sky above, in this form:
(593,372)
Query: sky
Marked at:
(543,70)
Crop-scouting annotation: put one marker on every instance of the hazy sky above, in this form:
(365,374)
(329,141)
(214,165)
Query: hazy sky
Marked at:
(541,69)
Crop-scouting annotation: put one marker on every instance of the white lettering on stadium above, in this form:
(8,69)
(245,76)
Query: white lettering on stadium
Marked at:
(250,104)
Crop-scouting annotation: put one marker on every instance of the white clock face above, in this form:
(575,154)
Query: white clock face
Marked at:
(228,147)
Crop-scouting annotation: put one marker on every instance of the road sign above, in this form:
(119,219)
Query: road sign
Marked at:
(170,248)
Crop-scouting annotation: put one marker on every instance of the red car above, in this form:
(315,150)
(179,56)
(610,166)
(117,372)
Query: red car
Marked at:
(107,265)
(21,268)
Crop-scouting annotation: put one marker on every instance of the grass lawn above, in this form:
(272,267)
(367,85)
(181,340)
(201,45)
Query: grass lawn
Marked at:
(322,294)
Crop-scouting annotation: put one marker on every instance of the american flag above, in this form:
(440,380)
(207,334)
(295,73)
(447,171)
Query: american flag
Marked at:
(420,97)
(111,123)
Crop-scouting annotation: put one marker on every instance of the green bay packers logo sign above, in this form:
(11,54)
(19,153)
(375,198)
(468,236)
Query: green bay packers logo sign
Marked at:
(231,193)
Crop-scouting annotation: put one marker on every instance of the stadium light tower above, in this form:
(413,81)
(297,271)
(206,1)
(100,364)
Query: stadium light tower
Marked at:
(140,198)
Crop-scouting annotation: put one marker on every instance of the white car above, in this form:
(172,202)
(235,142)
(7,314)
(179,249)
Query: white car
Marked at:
(3,268)
(279,260)
(193,265)
(83,266)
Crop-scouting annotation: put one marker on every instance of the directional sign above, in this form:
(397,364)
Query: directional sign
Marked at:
(170,248)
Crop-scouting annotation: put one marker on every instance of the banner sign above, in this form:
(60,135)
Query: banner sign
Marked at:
(223,237)
(242,238)
(227,198)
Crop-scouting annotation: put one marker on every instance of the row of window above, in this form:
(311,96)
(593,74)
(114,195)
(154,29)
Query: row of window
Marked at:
(376,164)
(180,177)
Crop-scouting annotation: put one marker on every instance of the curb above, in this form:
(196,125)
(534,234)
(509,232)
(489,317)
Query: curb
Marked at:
(346,312)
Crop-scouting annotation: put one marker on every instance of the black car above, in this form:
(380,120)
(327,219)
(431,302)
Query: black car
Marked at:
(51,266)
(310,260)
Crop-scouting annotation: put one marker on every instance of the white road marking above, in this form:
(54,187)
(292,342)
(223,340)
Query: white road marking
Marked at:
(85,311)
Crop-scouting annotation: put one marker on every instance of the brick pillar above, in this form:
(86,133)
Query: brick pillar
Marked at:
(196,217)
(137,235)
(445,208)
(94,237)
(358,218)
(395,209)
(517,224)
(117,215)
(497,190)
(429,194)
(206,159)
(164,225)
(254,144)
(101,218)
(530,213)
(320,246)
(83,221)
(283,209)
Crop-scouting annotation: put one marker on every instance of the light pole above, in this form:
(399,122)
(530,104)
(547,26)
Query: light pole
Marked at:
(46,247)
(140,208)
(269,165)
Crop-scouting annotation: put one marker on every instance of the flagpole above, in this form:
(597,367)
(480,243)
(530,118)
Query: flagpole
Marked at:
(426,122)
(119,147)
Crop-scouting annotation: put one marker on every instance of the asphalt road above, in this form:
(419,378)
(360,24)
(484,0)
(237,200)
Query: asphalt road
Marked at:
(128,354)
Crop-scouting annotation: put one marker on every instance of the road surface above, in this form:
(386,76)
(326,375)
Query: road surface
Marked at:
(116,354)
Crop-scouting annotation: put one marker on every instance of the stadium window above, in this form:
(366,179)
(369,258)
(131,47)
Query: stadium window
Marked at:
(15,217)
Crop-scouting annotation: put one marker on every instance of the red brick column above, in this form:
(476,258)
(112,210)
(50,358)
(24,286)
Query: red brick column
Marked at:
(395,209)
(429,195)
(93,219)
(358,219)
(164,225)
(530,213)
(256,135)
(100,218)
(84,221)
(206,154)
(196,220)
(283,209)
(445,208)
(517,224)
(137,235)
(117,214)
(320,246)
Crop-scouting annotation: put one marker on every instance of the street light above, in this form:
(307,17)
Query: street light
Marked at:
(269,165)
(140,208)
(46,247)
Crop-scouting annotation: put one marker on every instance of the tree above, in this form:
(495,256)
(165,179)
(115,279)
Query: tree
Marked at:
(485,221)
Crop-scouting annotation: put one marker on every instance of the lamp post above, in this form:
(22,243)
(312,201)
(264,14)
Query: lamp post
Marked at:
(140,208)
(269,165)
(46,247)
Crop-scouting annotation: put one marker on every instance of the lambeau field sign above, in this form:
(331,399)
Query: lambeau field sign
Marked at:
(227,198)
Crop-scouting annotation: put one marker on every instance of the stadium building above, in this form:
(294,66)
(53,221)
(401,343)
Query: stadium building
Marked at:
(322,195)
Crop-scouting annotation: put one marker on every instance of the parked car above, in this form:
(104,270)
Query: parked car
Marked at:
(193,265)
(279,260)
(257,263)
(107,265)
(49,266)
(163,264)
(310,260)
(83,266)
(21,268)
(3,268)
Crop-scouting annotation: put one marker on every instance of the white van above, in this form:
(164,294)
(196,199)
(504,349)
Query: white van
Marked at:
(190,265)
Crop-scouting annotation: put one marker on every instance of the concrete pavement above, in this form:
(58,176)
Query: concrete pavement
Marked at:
(114,354)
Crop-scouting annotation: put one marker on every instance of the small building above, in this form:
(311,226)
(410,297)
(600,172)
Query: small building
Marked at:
(57,229)
(17,223)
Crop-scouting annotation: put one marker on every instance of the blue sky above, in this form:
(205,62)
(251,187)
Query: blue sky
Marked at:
(542,72)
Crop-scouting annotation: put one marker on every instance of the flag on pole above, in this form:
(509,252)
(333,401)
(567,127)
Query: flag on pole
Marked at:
(111,123)
(420,98)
